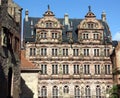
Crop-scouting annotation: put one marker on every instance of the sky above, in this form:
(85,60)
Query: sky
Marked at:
(76,9)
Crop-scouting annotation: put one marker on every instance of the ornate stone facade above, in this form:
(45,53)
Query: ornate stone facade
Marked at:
(72,54)
(10,28)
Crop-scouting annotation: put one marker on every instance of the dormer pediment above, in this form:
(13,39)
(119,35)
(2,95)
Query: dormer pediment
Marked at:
(90,24)
(48,21)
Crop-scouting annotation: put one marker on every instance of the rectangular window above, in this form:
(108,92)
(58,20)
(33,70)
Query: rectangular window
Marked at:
(54,35)
(86,52)
(97,69)
(106,52)
(96,36)
(65,69)
(75,52)
(76,69)
(43,69)
(107,69)
(54,52)
(43,51)
(85,36)
(32,51)
(86,69)
(96,52)
(43,35)
(54,69)
(65,52)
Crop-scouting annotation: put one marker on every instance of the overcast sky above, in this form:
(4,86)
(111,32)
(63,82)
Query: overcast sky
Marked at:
(76,9)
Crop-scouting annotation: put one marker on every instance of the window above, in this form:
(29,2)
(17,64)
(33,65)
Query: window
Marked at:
(54,52)
(54,69)
(77,92)
(43,69)
(54,35)
(86,52)
(108,89)
(4,37)
(87,92)
(48,25)
(32,32)
(16,45)
(106,52)
(85,36)
(43,35)
(43,51)
(65,52)
(32,51)
(96,52)
(86,69)
(44,92)
(65,69)
(107,69)
(76,69)
(66,89)
(98,92)
(97,69)
(55,92)
(75,52)
(90,25)
(96,36)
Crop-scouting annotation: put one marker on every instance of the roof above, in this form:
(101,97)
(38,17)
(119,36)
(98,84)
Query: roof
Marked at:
(25,64)
(27,29)
(114,43)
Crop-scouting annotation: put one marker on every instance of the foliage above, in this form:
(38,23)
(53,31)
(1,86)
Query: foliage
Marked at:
(114,92)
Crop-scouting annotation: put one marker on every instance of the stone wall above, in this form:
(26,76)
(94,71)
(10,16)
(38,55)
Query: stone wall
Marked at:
(29,85)
(9,53)
(117,50)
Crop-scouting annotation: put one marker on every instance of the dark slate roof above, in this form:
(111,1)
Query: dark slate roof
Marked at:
(73,28)
(27,28)
(114,43)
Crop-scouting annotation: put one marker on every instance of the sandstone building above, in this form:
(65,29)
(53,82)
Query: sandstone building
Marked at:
(115,57)
(10,28)
(73,55)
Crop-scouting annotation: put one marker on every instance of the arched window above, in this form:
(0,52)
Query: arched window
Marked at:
(55,92)
(44,92)
(87,92)
(107,89)
(66,89)
(77,92)
(98,92)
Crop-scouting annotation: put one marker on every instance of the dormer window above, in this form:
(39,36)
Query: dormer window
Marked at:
(90,25)
(48,25)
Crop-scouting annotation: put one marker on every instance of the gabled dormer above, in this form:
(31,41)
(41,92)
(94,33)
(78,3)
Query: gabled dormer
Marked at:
(90,29)
(48,28)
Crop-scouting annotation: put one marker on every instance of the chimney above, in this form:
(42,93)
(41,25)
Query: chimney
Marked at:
(66,17)
(26,15)
(103,16)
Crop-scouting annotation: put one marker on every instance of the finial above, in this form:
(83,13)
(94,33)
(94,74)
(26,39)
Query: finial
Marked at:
(89,8)
(48,7)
